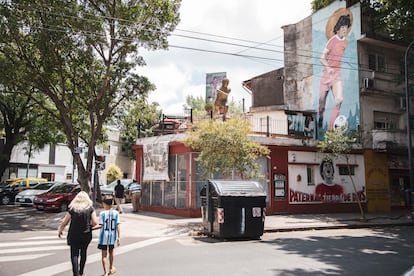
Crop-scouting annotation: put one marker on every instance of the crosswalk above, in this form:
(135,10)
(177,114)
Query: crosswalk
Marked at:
(33,249)
(28,248)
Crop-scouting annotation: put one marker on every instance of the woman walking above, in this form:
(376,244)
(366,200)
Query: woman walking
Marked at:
(82,218)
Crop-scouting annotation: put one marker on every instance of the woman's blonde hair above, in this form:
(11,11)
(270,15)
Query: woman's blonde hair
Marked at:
(81,202)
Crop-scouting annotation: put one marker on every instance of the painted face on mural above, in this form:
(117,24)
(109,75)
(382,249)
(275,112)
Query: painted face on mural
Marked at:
(343,31)
(327,171)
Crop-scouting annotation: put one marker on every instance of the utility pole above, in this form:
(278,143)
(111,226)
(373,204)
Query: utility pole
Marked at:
(410,149)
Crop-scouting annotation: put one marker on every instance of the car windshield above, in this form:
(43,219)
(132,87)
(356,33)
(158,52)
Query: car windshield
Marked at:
(44,186)
(61,189)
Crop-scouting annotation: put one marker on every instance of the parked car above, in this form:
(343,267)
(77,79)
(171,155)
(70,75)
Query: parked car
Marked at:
(109,189)
(58,198)
(26,197)
(15,186)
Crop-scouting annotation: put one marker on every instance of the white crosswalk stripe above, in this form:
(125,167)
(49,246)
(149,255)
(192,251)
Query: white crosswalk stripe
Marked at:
(13,258)
(31,248)
(66,266)
(46,246)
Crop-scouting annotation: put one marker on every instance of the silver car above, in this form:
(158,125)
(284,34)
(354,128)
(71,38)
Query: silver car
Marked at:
(25,198)
(109,189)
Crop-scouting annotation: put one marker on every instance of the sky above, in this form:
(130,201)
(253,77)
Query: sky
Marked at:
(248,32)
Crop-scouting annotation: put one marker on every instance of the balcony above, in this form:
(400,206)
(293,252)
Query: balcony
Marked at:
(386,140)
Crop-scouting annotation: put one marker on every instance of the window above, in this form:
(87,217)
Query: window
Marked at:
(376,62)
(346,170)
(384,120)
(309,175)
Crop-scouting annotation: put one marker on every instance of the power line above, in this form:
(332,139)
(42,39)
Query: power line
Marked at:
(247,47)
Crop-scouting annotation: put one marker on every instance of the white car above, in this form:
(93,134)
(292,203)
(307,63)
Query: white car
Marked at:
(26,197)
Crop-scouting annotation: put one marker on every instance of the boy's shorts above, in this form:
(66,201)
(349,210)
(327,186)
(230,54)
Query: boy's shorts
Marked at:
(105,246)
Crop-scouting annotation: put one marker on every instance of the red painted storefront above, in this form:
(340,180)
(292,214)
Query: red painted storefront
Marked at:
(278,164)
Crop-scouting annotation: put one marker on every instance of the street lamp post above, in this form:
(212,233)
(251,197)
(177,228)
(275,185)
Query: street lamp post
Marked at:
(410,155)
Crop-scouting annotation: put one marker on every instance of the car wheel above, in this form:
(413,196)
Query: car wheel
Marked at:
(63,207)
(5,200)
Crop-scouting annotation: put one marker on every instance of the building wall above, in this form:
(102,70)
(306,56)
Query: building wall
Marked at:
(61,166)
(298,70)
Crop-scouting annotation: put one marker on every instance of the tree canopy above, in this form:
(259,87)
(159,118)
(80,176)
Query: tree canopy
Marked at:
(225,146)
(83,57)
(22,119)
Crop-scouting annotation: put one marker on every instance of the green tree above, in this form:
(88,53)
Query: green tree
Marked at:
(137,116)
(82,56)
(21,118)
(113,173)
(338,143)
(225,146)
(196,104)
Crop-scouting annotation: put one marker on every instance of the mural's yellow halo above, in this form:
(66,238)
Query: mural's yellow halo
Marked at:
(334,18)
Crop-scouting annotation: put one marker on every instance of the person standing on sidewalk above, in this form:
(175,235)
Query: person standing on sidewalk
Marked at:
(119,195)
(109,221)
(135,194)
(82,218)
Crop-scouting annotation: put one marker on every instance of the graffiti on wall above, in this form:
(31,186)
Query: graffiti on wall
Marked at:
(327,190)
(335,31)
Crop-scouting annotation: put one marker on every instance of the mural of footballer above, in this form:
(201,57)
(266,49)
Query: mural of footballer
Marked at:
(337,29)
(328,191)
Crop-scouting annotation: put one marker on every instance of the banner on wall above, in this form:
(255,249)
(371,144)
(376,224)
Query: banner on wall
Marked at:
(213,82)
(156,161)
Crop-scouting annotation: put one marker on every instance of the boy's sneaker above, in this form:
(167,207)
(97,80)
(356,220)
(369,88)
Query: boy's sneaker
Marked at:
(112,271)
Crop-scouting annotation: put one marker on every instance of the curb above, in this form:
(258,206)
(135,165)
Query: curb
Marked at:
(348,226)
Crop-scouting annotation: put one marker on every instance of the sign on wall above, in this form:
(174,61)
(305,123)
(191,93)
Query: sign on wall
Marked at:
(156,161)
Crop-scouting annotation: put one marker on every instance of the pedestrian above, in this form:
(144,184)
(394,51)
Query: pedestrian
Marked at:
(119,195)
(331,60)
(82,218)
(110,232)
(135,194)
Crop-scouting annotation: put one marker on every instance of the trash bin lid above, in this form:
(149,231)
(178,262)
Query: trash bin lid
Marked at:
(236,188)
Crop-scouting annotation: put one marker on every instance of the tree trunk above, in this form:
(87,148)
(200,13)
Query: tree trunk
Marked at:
(356,192)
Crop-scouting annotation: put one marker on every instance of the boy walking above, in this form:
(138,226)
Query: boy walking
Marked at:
(110,232)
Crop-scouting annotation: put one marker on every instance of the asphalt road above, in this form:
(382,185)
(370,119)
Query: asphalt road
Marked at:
(374,251)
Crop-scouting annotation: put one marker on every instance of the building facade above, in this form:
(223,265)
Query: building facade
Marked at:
(55,162)
(336,73)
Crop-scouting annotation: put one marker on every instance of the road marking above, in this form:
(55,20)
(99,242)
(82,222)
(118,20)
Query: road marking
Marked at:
(15,244)
(22,250)
(28,243)
(67,266)
(23,257)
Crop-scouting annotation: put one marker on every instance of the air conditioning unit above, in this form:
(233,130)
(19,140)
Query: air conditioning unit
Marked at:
(368,83)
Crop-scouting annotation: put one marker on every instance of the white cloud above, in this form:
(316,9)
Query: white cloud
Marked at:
(181,72)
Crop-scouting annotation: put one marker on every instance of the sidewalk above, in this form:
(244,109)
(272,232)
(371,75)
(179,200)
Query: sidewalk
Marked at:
(153,224)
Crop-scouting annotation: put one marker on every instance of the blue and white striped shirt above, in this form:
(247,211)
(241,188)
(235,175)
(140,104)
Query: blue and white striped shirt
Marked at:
(109,219)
